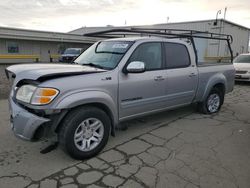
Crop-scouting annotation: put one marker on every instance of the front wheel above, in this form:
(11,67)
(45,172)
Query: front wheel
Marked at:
(212,103)
(85,132)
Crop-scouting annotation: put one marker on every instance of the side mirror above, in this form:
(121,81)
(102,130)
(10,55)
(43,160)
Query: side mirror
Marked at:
(135,67)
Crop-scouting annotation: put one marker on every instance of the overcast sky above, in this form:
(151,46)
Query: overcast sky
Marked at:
(67,15)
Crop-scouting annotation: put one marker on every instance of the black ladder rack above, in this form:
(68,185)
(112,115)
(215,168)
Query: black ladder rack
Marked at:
(165,33)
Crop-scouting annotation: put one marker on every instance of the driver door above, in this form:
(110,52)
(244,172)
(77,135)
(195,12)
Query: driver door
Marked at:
(141,93)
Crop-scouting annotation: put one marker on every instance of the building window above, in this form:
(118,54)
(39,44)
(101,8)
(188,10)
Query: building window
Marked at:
(12,47)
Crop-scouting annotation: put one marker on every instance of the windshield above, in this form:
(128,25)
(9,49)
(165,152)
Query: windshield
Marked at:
(242,59)
(106,54)
(72,51)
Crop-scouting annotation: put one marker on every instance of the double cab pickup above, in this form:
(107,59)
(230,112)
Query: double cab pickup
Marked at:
(112,81)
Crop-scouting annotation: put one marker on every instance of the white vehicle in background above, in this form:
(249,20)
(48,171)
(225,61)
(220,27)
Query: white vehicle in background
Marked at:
(242,67)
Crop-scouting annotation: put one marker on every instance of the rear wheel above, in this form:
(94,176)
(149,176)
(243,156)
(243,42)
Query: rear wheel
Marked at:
(85,132)
(212,103)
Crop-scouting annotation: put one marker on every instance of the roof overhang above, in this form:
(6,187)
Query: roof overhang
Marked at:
(21,34)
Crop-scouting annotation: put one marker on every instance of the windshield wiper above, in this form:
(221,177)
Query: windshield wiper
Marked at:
(94,65)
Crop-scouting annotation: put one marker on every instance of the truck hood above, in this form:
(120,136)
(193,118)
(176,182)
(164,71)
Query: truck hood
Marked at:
(43,72)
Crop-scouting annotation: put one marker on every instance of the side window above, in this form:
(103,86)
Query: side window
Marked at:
(150,54)
(177,55)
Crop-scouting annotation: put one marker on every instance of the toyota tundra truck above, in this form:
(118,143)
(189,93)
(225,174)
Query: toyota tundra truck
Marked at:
(114,80)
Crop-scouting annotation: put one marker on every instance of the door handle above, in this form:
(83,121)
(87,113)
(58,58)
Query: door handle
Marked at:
(192,74)
(158,78)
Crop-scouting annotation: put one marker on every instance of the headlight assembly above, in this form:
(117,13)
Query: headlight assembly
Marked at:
(25,92)
(36,95)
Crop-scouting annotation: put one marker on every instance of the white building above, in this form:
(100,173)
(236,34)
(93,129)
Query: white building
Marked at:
(21,45)
(239,33)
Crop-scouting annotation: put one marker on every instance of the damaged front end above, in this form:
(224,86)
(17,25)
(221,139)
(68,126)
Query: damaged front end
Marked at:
(31,105)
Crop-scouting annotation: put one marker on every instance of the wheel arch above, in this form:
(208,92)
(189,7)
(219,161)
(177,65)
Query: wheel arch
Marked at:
(97,99)
(221,87)
(217,81)
(101,106)
(218,88)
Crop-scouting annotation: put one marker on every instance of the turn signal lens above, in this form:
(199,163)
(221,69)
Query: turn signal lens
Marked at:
(48,92)
(44,100)
(44,96)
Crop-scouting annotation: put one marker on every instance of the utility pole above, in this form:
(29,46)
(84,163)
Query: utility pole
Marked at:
(223,29)
(225,12)
(215,24)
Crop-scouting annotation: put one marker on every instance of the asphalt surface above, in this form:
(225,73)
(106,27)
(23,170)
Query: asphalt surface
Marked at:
(179,148)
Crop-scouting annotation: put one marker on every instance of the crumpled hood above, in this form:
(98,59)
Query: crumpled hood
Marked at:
(44,71)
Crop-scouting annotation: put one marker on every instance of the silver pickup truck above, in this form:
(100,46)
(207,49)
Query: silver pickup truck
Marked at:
(112,81)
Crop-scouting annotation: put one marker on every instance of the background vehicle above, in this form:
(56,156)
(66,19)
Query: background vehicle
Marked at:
(115,80)
(70,54)
(242,66)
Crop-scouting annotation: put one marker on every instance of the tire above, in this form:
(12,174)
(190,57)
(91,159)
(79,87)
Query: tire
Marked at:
(212,103)
(85,132)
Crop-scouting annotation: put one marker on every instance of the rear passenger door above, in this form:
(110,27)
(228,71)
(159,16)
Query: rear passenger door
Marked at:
(182,75)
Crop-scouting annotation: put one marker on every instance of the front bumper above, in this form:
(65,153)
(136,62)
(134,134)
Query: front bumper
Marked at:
(242,77)
(23,123)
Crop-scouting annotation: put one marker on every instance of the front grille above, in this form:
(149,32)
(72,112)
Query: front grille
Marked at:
(68,59)
(241,72)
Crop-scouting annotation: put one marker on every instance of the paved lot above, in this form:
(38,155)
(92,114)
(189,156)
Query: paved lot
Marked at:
(178,148)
